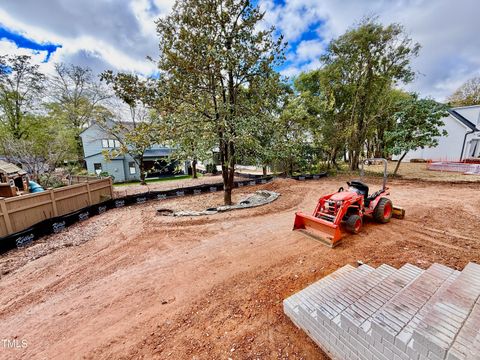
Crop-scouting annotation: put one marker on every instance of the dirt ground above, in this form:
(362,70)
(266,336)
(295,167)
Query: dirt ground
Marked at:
(132,284)
(419,171)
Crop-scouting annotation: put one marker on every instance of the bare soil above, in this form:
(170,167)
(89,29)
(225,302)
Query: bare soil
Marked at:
(131,284)
(419,171)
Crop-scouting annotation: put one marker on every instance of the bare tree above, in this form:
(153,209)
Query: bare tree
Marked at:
(77,97)
(37,160)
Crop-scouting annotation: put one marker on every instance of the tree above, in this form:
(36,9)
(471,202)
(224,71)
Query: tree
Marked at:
(188,139)
(359,67)
(467,94)
(293,138)
(21,87)
(324,123)
(260,135)
(77,98)
(144,128)
(46,144)
(417,125)
(211,51)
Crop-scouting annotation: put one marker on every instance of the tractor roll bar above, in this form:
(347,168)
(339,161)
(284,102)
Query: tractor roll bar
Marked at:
(368,162)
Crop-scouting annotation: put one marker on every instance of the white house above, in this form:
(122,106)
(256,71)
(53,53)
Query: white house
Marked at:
(463,139)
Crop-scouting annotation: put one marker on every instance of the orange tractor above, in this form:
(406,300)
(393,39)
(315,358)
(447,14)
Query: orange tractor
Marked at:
(347,209)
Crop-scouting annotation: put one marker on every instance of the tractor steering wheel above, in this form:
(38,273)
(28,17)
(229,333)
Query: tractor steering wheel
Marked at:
(341,189)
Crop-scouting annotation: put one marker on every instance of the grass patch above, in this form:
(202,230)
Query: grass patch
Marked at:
(151,181)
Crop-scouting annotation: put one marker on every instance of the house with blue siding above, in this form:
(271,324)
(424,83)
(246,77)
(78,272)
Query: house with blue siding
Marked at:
(96,140)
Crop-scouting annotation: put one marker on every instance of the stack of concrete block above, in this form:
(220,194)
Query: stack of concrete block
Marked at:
(389,314)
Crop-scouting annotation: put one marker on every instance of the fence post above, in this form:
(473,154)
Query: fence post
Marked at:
(89,194)
(111,187)
(54,202)
(8,224)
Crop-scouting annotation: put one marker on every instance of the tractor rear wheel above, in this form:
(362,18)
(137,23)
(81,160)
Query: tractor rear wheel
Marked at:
(383,211)
(353,224)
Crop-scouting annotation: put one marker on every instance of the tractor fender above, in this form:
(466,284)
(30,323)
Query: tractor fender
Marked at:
(373,203)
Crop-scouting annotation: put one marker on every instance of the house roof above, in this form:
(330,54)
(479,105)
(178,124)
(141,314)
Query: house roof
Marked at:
(159,152)
(106,126)
(119,157)
(463,119)
(9,168)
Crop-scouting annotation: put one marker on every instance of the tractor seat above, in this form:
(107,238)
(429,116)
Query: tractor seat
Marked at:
(361,187)
(372,197)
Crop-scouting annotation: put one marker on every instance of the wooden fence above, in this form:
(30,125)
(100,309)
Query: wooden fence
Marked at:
(77,179)
(20,212)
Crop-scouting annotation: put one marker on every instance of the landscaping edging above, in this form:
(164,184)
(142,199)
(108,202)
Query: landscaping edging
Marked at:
(57,224)
(259,198)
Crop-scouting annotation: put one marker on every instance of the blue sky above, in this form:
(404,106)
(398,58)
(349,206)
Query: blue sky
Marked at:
(105,34)
(25,43)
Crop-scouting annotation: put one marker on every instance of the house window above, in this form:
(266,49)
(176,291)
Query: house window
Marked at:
(110,143)
(98,168)
(473,148)
(131,167)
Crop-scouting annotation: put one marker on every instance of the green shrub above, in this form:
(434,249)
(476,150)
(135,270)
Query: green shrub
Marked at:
(106,174)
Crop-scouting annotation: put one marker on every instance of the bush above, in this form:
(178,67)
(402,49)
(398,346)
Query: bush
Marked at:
(50,181)
(106,174)
(212,169)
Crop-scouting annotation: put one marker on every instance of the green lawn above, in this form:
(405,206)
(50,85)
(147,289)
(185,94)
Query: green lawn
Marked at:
(150,181)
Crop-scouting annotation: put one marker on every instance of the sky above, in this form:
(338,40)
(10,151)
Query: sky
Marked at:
(120,34)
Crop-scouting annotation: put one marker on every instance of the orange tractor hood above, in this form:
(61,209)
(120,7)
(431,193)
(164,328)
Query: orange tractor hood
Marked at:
(343,195)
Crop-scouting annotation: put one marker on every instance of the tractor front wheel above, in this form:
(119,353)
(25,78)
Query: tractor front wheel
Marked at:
(383,211)
(353,224)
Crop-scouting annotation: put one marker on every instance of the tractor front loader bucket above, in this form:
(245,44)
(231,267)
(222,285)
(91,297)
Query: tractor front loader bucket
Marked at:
(325,231)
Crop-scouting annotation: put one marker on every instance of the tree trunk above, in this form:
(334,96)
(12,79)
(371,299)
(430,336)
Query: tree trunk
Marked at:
(142,172)
(334,158)
(227,175)
(194,169)
(227,158)
(398,163)
(354,159)
(264,170)
(79,146)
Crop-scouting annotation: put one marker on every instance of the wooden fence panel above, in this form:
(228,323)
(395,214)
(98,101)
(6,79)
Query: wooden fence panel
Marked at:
(20,212)
(100,191)
(3,226)
(26,210)
(71,198)
(76,179)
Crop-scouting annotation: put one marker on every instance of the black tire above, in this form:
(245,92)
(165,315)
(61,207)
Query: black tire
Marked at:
(383,211)
(353,224)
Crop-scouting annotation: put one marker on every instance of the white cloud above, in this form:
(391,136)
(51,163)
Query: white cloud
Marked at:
(119,42)
(120,34)
(309,50)
(38,57)
(447,31)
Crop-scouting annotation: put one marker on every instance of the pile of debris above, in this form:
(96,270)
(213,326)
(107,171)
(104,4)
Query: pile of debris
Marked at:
(465,168)
(260,197)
